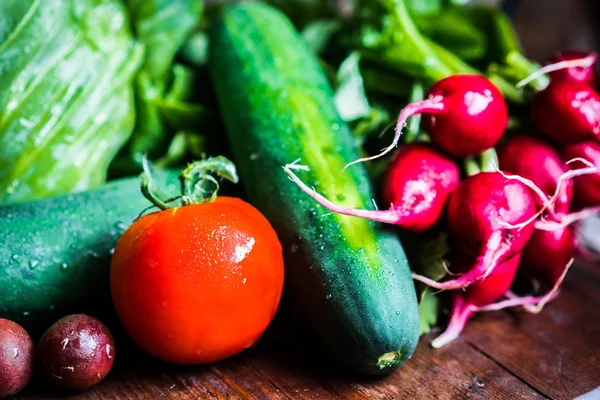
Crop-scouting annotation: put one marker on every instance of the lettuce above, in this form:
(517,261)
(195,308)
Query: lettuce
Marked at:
(79,80)
(162,26)
(67,69)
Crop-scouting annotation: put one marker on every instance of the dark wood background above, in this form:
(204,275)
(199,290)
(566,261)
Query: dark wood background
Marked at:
(501,355)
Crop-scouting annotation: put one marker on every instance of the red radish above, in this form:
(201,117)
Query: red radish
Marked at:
(547,253)
(490,218)
(464,114)
(417,183)
(539,162)
(582,73)
(567,112)
(587,187)
(482,293)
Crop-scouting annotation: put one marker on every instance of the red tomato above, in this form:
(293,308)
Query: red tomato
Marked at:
(198,283)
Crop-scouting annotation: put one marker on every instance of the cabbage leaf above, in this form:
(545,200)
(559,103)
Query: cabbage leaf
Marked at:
(66,93)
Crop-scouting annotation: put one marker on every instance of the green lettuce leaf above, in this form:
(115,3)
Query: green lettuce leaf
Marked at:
(66,93)
(162,26)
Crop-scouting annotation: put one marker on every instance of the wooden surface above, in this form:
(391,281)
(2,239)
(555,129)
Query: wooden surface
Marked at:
(501,355)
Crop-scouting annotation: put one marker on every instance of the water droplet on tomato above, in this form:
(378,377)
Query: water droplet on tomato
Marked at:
(244,281)
(198,352)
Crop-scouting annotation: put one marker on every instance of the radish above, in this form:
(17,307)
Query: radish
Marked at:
(581,73)
(539,162)
(464,114)
(490,218)
(587,187)
(567,112)
(483,293)
(547,253)
(417,183)
(572,66)
(481,296)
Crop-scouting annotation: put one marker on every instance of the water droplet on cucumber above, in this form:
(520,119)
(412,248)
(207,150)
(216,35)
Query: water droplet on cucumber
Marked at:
(121,225)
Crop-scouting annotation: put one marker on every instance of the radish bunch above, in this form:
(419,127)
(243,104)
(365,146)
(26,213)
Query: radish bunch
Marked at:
(516,217)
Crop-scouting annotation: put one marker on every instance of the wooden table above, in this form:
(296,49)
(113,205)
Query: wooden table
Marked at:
(501,355)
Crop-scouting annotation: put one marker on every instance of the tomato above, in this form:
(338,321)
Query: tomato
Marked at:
(198,283)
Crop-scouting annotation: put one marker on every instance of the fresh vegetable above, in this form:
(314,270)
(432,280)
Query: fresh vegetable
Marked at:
(78,77)
(567,112)
(547,254)
(201,282)
(587,187)
(16,358)
(416,184)
(464,115)
(490,219)
(75,353)
(66,94)
(348,276)
(536,160)
(57,251)
(165,92)
(418,180)
(480,294)
(584,74)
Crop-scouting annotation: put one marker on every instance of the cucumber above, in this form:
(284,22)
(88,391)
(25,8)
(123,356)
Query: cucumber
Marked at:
(348,276)
(56,252)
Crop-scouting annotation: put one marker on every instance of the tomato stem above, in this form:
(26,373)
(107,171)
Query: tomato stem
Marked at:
(197,175)
(198,185)
(147,189)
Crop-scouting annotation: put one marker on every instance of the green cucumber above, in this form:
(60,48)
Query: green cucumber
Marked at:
(348,276)
(56,252)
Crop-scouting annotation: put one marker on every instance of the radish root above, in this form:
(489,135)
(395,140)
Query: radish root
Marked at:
(391,216)
(538,303)
(461,312)
(560,221)
(483,267)
(431,105)
(581,62)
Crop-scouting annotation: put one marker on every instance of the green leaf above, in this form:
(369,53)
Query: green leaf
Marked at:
(318,33)
(183,146)
(412,130)
(66,93)
(454,31)
(350,98)
(164,92)
(429,308)
(162,26)
(398,44)
(426,252)
(504,47)
(195,49)
(424,7)
(427,256)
